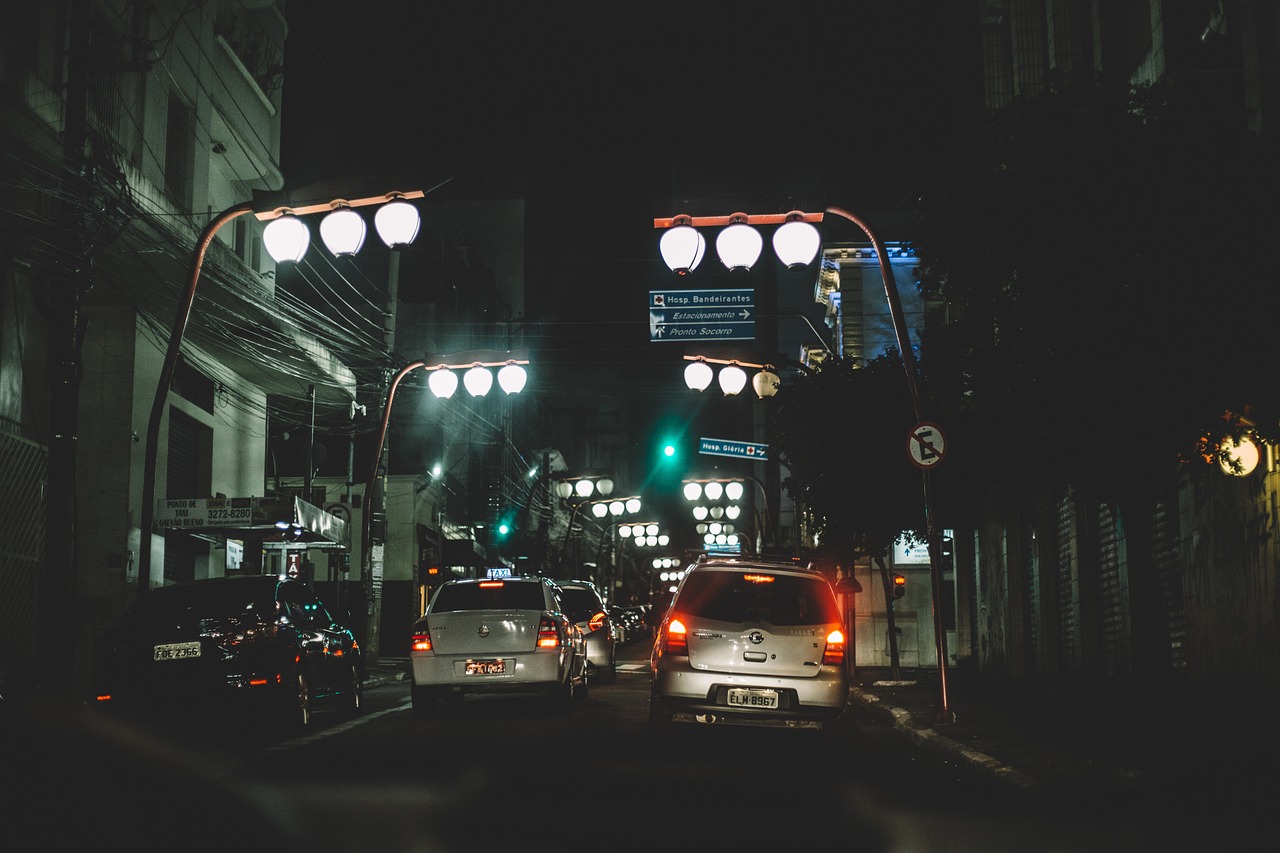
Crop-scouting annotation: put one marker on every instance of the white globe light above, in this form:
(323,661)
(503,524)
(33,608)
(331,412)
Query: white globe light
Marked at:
(624,530)
(697,375)
(714,491)
(651,541)
(512,377)
(699,513)
(286,238)
(343,231)
(583,488)
(604,486)
(715,527)
(397,223)
(682,248)
(732,379)
(599,510)
(616,507)
(733,490)
(692,491)
(1244,452)
(796,243)
(732,511)
(717,512)
(633,505)
(739,246)
(765,384)
(651,530)
(478,380)
(442,382)
(663,539)
(709,538)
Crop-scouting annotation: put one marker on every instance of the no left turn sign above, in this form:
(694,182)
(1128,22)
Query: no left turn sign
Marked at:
(926,445)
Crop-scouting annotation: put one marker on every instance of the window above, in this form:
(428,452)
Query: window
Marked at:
(179,146)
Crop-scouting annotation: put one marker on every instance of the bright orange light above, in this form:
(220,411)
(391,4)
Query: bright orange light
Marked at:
(420,643)
(597,620)
(491,584)
(833,654)
(759,578)
(677,639)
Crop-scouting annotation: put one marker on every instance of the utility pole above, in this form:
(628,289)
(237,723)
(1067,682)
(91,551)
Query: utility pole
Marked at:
(376,504)
(56,639)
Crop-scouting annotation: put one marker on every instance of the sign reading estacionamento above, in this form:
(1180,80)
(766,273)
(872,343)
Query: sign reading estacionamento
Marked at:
(727,314)
(737,449)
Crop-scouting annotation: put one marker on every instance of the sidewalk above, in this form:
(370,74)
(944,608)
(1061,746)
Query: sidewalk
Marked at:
(1072,742)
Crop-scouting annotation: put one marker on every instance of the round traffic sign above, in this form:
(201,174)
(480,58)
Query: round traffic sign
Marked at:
(926,445)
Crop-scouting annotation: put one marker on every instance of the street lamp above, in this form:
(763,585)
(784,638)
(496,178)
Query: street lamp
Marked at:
(796,244)
(732,379)
(267,206)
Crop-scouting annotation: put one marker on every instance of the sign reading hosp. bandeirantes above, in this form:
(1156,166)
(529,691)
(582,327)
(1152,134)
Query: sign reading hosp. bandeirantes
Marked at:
(702,315)
(738,449)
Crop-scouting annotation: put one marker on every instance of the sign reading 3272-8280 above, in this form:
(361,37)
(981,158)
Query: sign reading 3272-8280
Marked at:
(727,314)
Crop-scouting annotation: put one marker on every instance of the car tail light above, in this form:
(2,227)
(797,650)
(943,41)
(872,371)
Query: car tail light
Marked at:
(597,620)
(833,654)
(548,633)
(421,641)
(676,641)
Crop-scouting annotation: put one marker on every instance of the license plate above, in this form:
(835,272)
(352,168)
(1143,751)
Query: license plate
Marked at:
(742,697)
(485,667)
(175,651)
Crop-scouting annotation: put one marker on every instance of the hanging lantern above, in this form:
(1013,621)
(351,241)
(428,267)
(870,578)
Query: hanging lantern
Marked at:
(442,382)
(682,247)
(796,243)
(397,223)
(512,377)
(286,238)
(342,231)
(732,379)
(739,245)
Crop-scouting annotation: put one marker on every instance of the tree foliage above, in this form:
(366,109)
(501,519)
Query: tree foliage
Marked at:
(1105,259)
(842,431)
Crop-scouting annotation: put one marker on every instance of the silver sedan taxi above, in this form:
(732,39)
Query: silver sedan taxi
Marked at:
(500,635)
(749,642)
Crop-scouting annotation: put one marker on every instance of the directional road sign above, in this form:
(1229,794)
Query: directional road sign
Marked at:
(702,315)
(739,449)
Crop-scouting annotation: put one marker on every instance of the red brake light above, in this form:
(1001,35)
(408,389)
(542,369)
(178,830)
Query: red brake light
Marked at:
(833,654)
(548,633)
(421,642)
(677,642)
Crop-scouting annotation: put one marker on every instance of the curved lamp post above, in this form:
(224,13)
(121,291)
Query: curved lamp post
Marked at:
(796,244)
(443,381)
(291,240)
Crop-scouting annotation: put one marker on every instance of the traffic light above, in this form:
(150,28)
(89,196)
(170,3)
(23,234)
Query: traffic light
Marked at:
(899,586)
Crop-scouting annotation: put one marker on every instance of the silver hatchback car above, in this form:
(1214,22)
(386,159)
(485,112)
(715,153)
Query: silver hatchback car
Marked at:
(749,642)
(496,636)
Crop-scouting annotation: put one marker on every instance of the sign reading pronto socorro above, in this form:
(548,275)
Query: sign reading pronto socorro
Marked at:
(702,315)
(737,449)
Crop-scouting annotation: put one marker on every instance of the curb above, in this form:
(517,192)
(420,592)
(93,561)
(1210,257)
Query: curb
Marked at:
(929,738)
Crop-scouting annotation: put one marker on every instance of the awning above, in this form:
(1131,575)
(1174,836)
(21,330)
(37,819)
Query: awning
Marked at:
(268,520)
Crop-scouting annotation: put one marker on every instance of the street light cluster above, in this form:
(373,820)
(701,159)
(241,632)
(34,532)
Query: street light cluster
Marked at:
(715,521)
(644,534)
(478,380)
(738,244)
(698,374)
(286,237)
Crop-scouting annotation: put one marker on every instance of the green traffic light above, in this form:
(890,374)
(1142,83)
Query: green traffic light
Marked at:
(504,528)
(669,450)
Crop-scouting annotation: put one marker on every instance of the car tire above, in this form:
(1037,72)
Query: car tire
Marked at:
(660,723)
(424,701)
(298,711)
(607,674)
(560,699)
(354,698)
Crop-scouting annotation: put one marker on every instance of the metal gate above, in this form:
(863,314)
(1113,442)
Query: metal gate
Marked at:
(22,536)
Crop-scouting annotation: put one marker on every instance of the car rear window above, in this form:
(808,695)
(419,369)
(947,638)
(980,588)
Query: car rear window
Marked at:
(746,596)
(578,599)
(490,595)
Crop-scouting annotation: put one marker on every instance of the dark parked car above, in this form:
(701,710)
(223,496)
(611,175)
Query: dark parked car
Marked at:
(235,647)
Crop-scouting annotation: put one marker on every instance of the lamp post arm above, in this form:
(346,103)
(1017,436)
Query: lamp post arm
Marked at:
(152,452)
(895,308)
(377,451)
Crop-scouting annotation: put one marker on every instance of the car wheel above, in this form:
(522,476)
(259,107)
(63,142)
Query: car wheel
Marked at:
(659,718)
(423,700)
(355,693)
(299,711)
(560,701)
(608,674)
